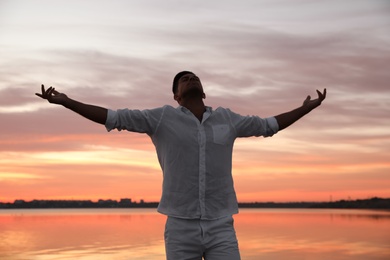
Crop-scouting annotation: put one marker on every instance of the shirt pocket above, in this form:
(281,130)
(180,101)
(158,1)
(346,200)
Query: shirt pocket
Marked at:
(221,134)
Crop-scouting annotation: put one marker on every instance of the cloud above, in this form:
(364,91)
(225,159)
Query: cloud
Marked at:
(289,68)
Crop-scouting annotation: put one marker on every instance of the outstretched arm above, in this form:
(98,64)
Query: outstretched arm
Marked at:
(94,113)
(288,118)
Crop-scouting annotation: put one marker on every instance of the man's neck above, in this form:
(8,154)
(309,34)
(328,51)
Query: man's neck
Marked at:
(196,106)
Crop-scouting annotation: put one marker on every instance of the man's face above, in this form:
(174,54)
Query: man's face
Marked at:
(189,85)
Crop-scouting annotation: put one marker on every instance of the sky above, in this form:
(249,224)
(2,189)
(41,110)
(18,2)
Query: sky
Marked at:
(256,57)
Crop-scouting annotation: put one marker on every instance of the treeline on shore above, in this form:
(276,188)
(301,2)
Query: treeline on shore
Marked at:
(372,203)
(123,203)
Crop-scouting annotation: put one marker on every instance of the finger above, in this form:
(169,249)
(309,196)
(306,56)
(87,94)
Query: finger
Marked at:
(321,96)
(307,100)
(43,94)
(50,91)
(54,92)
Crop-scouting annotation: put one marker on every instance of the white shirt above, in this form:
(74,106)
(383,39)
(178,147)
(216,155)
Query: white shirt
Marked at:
(195,157)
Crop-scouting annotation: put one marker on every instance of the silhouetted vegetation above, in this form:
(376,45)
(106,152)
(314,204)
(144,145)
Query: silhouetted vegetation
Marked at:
(123,203)
(372,203)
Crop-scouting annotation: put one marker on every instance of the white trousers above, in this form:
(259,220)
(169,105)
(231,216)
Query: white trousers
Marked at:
(192,239)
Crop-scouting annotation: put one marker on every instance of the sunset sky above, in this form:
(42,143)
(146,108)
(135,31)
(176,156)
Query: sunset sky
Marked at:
(257,57)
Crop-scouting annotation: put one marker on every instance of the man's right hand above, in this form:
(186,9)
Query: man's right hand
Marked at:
(52,95)
(94,113)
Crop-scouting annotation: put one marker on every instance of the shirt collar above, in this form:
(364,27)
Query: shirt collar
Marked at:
(206,114)
(209,110)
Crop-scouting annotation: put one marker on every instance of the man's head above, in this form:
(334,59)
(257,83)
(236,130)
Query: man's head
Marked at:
(187,84)
(176,79)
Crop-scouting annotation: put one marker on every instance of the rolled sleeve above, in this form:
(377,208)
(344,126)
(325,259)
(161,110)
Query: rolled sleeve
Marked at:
(272,126)
(111,119)
(134,120)
(247,126)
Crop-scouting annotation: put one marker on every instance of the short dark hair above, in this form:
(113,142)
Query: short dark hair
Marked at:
(176,79)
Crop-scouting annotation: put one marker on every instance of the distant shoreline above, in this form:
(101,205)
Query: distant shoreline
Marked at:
(372,203)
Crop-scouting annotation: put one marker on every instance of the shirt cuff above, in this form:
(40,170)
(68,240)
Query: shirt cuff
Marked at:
(111,119)
(273,125)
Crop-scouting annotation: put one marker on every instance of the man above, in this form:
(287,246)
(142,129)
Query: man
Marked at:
(194,145)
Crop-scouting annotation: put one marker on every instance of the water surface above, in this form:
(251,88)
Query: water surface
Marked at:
(272,234)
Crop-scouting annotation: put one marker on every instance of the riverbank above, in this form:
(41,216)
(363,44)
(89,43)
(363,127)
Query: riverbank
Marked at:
(372,203)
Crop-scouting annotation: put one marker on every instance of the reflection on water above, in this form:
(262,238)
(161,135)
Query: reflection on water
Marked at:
(271,234)
(82,234)
(314,234)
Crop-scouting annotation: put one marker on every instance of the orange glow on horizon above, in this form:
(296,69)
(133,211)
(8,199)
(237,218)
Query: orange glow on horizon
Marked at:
(126,166)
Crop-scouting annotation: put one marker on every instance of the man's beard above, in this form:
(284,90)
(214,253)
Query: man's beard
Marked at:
(193,93)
